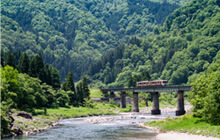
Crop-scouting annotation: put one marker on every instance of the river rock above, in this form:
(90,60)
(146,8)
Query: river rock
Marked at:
(17,130)
(25,115)
(108,119)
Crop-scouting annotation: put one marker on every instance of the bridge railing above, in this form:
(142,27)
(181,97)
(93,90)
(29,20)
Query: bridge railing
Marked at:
(172,88)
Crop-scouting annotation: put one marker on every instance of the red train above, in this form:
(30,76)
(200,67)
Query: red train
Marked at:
(152,83)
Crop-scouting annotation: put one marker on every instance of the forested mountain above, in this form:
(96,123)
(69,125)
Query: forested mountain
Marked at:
(71,34)
(186,44)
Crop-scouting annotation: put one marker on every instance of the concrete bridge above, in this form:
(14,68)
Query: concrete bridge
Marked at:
(155,90)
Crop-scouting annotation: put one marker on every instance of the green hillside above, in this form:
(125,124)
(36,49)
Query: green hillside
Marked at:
(72,34)
(186,44)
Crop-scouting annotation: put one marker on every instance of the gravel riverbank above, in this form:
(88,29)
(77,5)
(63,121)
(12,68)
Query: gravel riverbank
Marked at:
(161,135)
(131,115)
(34,125)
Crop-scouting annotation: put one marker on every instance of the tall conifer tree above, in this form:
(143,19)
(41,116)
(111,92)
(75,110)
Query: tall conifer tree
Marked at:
(69,84)
(55,78)
(2,58)
(39,67)
(39,64)
(48,75)
(23,65)
(32,69)
(80,95)
(85,87)
(10,59)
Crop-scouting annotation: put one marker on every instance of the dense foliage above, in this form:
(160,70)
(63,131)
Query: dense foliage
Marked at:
(36,86)
(206,95)
(71,34)
(33,66)
(185,45)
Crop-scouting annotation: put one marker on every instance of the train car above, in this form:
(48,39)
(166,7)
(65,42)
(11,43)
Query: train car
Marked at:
(151,83)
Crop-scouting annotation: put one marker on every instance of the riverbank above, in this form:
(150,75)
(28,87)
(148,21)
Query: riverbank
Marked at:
(161,133)
(172,135)
(26,126)
(186,125)
(182,136)
(44,119)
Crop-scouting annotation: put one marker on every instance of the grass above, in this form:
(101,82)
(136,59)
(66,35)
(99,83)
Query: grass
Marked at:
(45,118)
(127,109)
(27,125)
(73,112)
(143,104)
(187,123)
(96,93)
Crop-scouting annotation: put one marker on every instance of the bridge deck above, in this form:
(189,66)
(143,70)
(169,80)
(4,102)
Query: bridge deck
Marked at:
(168,88)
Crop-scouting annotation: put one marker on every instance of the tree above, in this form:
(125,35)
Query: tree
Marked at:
(62,98)
(36,68)
(48,78)
(32,69)
(50,95)
(82,91)
(9,85)
(206,95)
(10,59)
(55,78)
(180,75)
(80,95)
(156,31)
(2,58)
(72,98)
(69,84)
(23,65)
(145,75)
(30,93)
(39,66)
(85,88)
(130,81)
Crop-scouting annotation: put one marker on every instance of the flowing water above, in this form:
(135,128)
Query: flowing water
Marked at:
(79,129)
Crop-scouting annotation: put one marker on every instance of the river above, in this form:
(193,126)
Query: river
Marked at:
(80,129)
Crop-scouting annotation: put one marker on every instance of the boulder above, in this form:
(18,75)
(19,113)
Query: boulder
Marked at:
(25,115)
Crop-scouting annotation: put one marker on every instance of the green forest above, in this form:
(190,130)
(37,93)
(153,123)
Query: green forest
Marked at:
(53,51)
(72,34)
(186,44)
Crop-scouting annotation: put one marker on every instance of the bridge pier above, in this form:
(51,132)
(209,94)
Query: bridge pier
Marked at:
(123,100)
(112,95)
(180,103)
(135,102)
(155,109)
